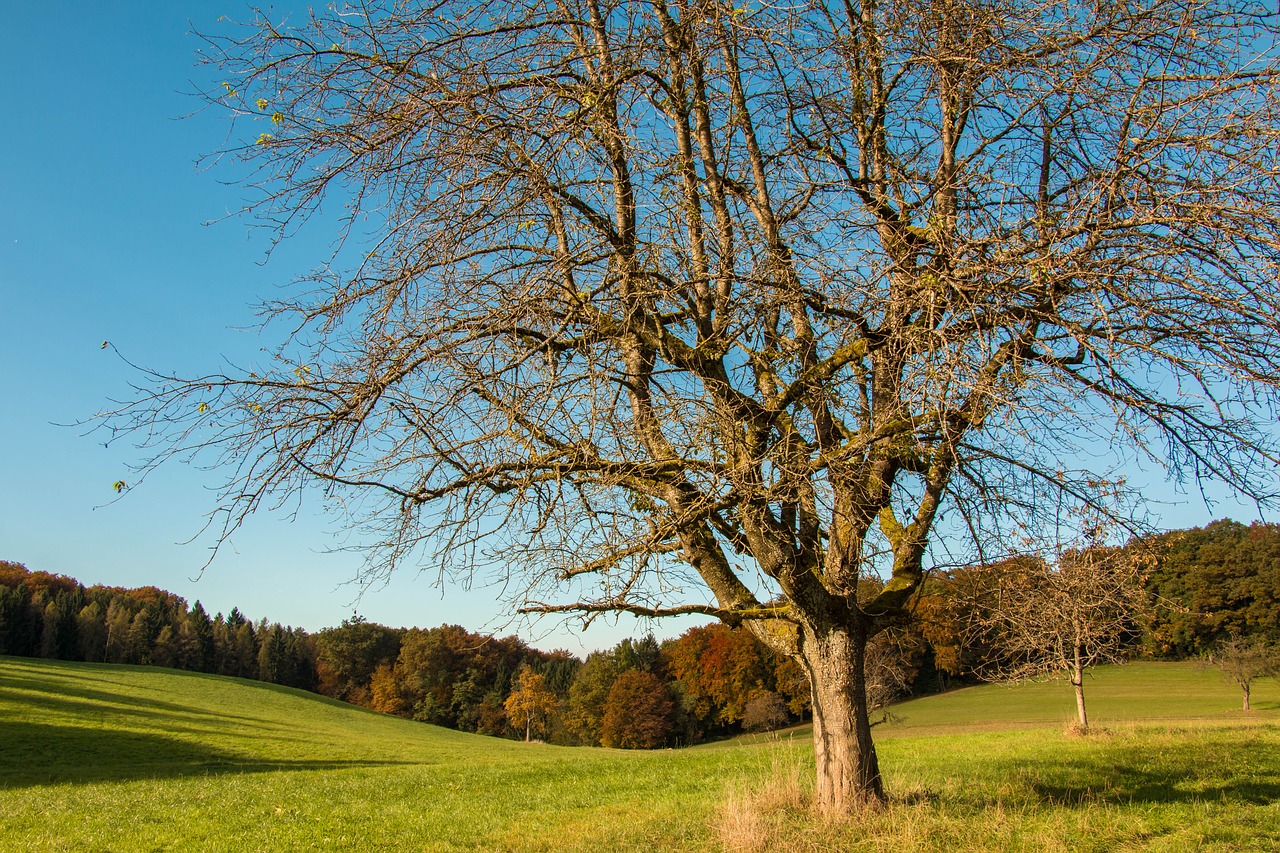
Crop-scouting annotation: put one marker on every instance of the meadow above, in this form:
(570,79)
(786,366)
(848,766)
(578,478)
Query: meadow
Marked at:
(98,757)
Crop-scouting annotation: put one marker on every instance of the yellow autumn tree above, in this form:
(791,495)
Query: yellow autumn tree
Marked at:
(532,705)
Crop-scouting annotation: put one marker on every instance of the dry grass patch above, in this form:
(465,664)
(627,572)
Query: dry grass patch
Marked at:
(754,815)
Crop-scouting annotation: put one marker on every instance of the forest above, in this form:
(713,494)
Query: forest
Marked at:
(1204,587)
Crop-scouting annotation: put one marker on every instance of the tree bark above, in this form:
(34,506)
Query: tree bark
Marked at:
(1077,681)
(848,773)
(1245,690)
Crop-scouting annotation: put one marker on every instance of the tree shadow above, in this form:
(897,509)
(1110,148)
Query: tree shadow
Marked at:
(73,696)
(43,671)
(1182,773)
(40,754)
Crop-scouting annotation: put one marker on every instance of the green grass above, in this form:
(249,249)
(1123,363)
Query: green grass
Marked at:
(1141,691)
(99,757)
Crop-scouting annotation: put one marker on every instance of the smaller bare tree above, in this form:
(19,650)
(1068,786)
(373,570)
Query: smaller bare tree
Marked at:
(892,663)
(1245,659)
(1045,620)
(765,712)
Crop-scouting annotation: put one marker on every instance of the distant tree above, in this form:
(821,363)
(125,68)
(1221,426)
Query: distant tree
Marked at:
(384,692)
(348,655)
(223,646)
(145,630)
(559,668)
(1212,584)
(429,671)
(892,660)
(198,644)
(58,637)
(491,715)
(17,631)
(643,654)
(245,657)
(719,669)
(37,583)
(588,696)
(13,573)
(447,673)
(120,616)
(91,633)
(939,619)
(1245,659)
(638,713)
(1045,620)
(165,650)
(532,706)
(792,684)
(301,658)
(272,663)
(765,712)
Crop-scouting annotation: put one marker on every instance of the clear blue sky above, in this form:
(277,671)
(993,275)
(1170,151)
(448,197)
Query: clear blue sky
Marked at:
(103,236)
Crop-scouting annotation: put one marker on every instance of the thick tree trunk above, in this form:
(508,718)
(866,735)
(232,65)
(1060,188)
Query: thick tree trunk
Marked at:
(848,773)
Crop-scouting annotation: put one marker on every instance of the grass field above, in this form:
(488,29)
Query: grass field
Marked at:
(128,758)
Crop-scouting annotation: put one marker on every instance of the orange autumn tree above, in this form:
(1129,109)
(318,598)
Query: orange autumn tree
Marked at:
(719,669)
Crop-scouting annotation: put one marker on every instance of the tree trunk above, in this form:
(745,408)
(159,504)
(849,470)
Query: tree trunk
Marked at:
(1245,689)
(1077,681)
(848,773)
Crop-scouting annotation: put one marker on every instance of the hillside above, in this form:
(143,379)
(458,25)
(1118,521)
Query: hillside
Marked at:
(211,763)
(99,757)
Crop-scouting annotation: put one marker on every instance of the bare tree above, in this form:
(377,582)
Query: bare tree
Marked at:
(1245,659)
(1043,620)
(694,307)
(892,659)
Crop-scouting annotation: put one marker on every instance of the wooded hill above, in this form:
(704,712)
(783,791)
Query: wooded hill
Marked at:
(1206,585)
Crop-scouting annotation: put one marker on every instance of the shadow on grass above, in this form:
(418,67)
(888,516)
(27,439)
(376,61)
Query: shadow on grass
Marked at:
(73,696)
(1235,769)
(39,754)
(54,675)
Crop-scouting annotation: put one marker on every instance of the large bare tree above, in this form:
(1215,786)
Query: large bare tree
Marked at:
(691,307)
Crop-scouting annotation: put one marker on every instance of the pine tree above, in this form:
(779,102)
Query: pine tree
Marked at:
(200,629)
(15,621)
(271,655)
(91,630)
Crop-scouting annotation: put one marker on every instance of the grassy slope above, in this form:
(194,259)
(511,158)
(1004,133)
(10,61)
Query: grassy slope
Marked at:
(106,758)
(1141,692)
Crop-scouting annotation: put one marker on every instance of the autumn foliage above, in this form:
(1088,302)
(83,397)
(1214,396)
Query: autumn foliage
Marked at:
(638,713)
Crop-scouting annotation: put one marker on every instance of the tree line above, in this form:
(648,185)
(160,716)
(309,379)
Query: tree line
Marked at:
(54,616)
(1205,588)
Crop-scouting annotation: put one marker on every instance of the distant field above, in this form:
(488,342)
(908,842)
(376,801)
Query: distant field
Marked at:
(96,757)
(1140,692)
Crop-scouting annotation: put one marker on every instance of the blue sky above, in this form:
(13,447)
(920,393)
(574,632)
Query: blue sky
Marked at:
(104,235)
